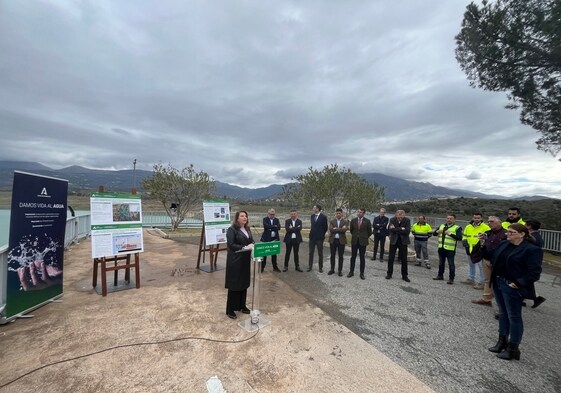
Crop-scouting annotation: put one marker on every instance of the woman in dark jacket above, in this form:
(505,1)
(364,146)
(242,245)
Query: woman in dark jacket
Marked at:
(516,266)
(238,264)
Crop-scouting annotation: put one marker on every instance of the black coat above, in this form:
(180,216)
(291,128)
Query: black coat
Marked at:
(396,232)
(318,227)
(380,226)
(238,265)
(297,229)
(524,266)
(269,228)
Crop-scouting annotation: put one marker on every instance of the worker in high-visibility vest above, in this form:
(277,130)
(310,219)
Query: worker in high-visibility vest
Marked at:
(448,235)
(513,217)
(421,232)
(469,240)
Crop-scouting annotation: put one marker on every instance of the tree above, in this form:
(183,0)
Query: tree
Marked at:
(515,46)
(334,187)
(178,191)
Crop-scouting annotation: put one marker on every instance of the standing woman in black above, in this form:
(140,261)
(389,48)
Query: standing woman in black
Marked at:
(238,264)
(516,266)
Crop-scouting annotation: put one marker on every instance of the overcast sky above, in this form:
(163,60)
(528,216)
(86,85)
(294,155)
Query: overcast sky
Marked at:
(255,92)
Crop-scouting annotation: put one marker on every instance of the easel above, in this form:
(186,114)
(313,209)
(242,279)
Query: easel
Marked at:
(127,266)
(116,267)
(213,250)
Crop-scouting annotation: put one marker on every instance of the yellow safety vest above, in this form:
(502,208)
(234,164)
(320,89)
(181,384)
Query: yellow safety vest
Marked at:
(471,234)
(506,224)
(421,231)
(445,241)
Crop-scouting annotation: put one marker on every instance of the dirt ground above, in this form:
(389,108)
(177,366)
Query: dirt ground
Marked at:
(172,335)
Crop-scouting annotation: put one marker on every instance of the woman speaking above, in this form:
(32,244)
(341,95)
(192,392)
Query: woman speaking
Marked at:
(516,266)
(238,264)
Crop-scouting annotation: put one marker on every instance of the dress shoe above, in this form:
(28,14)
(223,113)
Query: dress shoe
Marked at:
(362,277)
(276,269)
(524,304)
(438,278)
(309,270)
(231,315)
(406,279)
(450,282)
(299,270)
(388,277)
(497,316)
(329,273)
(373,258)
(285,269)
(320,270)
(245,310)
(340,274)
(350,275)
(483,302)
(539,300)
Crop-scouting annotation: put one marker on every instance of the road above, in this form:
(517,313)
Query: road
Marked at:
(433,330)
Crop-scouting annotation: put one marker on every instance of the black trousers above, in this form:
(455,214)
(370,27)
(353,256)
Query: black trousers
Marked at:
(273,260)
(337,248)
(236,300)
(379,240)
(292,245)
(402,255)
(361,251)
(312,246)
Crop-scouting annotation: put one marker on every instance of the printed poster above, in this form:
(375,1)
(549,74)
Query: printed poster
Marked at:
(36,244)
(216,214)
(116,224)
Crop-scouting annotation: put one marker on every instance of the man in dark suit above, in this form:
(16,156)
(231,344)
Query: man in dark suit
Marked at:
(380,228)
(271,228)
(293,238)
(318,228)
(361,230)
(337,239)
(399,229)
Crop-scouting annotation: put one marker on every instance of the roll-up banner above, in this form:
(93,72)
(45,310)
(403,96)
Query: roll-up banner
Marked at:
(36,245)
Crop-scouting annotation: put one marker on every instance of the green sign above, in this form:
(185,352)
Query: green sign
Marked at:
(265,249)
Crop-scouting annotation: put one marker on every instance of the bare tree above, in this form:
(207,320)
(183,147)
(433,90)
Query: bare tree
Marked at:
(178,191)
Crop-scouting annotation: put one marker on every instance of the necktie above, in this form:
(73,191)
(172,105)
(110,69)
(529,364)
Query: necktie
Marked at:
(359,222)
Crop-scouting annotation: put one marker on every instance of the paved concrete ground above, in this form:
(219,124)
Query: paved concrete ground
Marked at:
(172,335)
(328,333)
(433,330)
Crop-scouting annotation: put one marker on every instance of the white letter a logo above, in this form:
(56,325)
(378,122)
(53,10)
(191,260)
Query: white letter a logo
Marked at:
(44,192)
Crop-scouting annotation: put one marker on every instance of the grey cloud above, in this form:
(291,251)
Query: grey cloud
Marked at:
(253,93)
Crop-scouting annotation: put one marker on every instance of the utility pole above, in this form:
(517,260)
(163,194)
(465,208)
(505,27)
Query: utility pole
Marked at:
(134,176)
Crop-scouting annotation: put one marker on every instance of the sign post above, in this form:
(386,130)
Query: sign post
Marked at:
(256,319)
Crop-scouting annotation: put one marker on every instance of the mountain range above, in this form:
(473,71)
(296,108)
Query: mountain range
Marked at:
(86,180)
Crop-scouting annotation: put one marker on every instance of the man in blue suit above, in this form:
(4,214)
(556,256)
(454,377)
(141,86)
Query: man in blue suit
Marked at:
(318,228)
(271,228)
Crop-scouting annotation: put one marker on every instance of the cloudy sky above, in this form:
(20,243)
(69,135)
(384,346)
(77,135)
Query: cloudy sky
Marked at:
(255,92)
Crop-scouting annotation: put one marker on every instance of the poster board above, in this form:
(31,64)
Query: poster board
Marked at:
(36,244)
(216,213)
(116,224)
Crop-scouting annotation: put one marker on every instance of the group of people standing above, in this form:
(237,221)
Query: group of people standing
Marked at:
(507,255)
